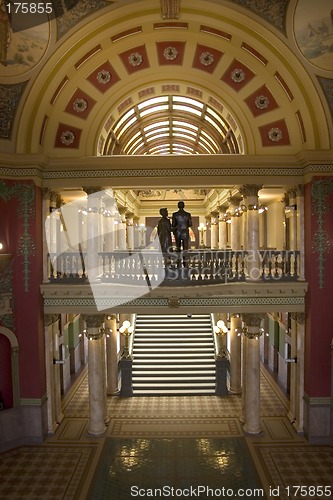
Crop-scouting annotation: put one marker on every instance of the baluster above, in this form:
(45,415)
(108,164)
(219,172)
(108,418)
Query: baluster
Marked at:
(263,264)
(276,264)
(243,254)
(236,275)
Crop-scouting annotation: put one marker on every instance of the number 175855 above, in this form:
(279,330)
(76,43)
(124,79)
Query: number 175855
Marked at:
(29,8)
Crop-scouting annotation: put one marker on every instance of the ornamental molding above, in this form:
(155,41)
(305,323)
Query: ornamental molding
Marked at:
(238,298)
(321,189)
(103,76)
(26,248)
(48,172)
(237,75)
(319,401)
(252,320)
(170,53)
(206,59)
(275,134)
(135,59)
(80,105)
(94,321)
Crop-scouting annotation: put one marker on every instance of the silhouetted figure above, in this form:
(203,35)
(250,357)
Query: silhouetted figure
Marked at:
(164,231)
(181,222)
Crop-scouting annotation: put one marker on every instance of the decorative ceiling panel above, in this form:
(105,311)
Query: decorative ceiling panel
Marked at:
(170,52)
(135,59)
(104,77)
(261,101)
(80,104)
(275,134)
(206,58)
(237,75)
(67,136)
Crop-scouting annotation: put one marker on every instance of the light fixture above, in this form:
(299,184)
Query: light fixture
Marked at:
(126,331)
(202,228)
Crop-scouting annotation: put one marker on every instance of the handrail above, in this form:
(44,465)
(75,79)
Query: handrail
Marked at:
(191,267)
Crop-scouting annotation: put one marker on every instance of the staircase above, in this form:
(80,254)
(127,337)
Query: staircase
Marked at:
(173,355)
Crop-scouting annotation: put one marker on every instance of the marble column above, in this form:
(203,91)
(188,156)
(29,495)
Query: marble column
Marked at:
(222,229)
(292,219)
(109,225)
(96,374)
(112,342)
(50,355)
(130,230)
(53,381)
(94,202)
(235,222)
(214,230)
(296,411)
(252,333)
(250,193)
(235,354)
(136,232)
(121,230)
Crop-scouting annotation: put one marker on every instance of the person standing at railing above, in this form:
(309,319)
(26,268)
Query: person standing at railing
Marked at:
(181,223)
(164,231)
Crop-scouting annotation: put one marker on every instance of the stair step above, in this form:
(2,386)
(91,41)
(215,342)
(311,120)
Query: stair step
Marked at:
(173,355)
(183,366)
(149,373)
(161,385)
(175,392)
(170,380)
(190,344)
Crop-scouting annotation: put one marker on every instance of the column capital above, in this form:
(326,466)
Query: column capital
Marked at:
(299,317)
(50,318)
(252,319)
(94,321)
(92,190)
(250,190)
(234,200)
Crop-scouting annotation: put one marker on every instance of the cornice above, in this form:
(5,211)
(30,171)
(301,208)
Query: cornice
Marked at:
(135,171)
(240,298)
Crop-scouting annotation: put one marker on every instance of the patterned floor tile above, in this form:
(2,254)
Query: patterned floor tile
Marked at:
(52,472)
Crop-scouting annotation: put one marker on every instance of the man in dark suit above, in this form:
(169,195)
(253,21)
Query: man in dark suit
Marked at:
(181,222)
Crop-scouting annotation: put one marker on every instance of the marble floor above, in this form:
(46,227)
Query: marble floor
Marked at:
(155,447)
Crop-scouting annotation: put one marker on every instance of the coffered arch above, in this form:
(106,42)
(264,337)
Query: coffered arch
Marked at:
(223,57)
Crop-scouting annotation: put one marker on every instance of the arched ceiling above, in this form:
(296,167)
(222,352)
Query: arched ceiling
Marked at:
(225,63)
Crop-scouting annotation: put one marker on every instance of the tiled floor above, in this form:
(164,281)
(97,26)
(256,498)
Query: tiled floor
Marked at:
(182,442)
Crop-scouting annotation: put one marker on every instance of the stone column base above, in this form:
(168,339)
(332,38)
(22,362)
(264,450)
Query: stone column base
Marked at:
(318,420)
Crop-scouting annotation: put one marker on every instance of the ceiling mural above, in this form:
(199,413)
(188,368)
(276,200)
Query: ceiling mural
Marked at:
(20,51)
(273,12)
(314,31)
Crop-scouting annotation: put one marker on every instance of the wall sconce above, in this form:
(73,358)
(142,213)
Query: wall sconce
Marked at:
(202,229)
(221,330)
(142,229)
(126,331)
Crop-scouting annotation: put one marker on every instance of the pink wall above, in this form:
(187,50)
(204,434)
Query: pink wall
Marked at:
(6,386)
(319,303)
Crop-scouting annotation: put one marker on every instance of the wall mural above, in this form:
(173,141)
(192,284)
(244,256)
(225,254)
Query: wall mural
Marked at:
(313,25)
(20,51)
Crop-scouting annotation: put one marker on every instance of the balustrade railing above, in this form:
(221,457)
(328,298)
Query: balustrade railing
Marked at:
(192,267)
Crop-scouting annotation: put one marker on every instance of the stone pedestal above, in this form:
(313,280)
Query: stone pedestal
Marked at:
(126,389)
(221,366)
